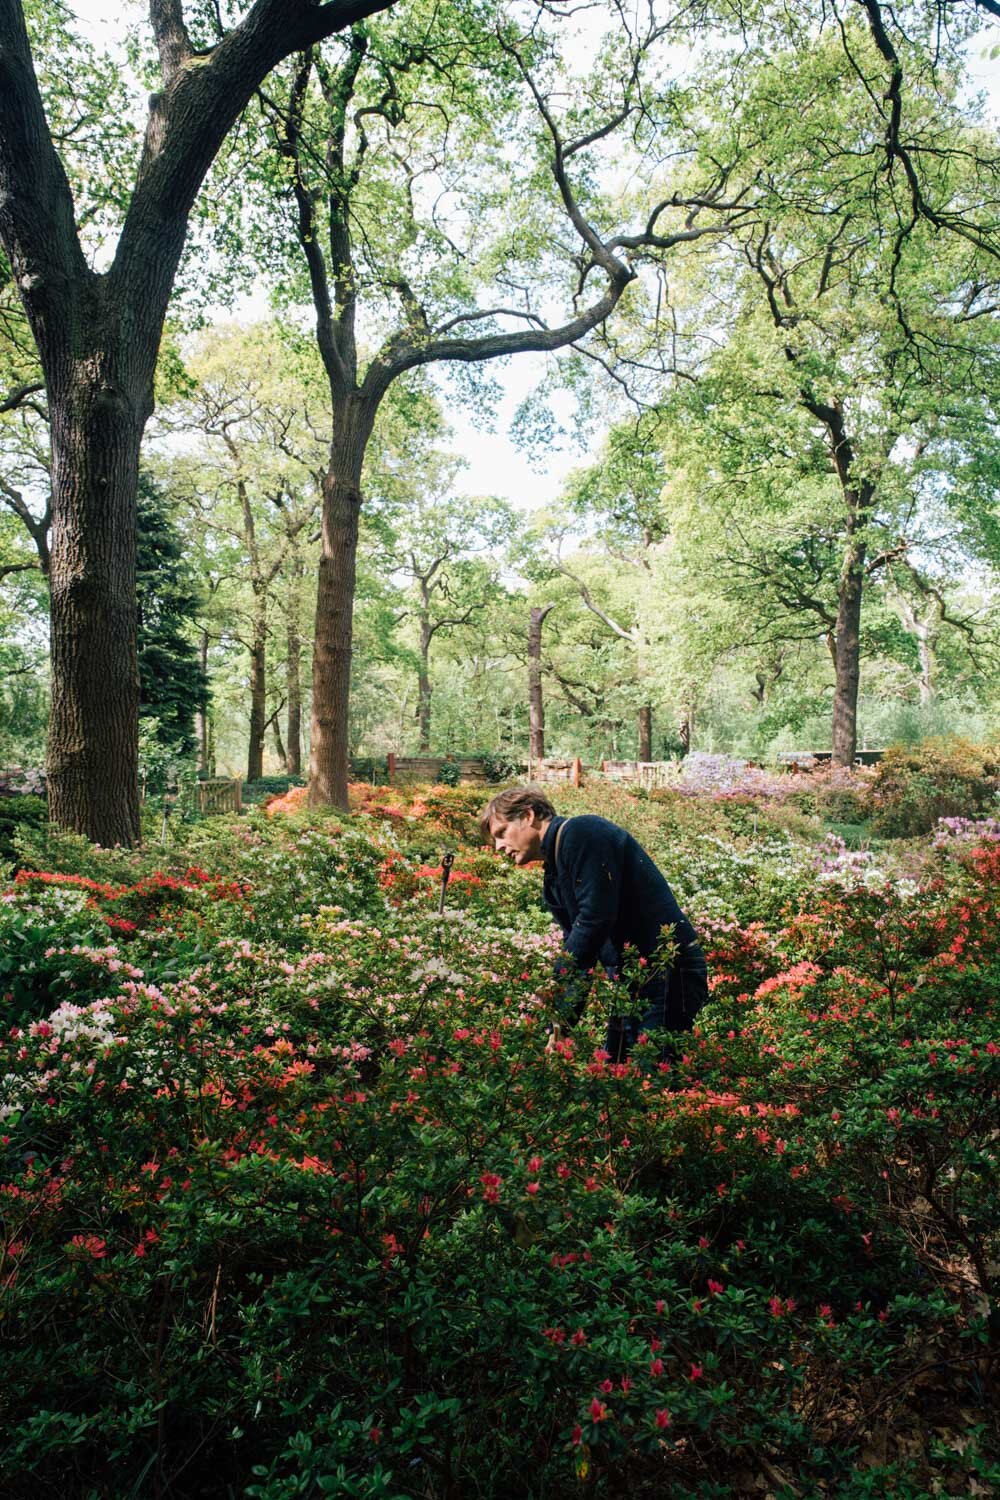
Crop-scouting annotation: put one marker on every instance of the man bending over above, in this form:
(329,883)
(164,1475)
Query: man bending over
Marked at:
(606,894)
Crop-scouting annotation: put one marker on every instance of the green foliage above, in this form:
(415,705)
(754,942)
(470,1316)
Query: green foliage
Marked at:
(500,765)
(370,768)
(172,686)
(916,785)
(450,773)
(15,813)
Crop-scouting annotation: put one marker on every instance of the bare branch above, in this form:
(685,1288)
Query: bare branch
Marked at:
(19,396)
(7,568)
(595,609)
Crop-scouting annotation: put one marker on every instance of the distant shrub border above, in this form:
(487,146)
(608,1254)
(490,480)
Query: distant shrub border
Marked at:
(269,786)
(916,785)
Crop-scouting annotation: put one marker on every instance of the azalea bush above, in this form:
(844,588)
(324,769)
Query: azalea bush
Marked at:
(294,1201)
(915,785)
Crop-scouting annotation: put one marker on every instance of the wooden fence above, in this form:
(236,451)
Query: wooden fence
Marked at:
(646,773)
(570,771)
(428,767)
(807,760)
(220,795)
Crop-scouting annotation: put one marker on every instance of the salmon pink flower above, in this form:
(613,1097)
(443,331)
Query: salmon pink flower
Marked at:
(90,1244)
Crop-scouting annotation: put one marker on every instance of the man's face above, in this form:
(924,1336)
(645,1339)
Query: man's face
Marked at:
(519,838)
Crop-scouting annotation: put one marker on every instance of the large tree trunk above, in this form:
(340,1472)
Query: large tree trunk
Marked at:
(258,692)
(646,733)
(536,701)
(329,746)
(294,668)
(848,658)
(201,715)
(96,428)
(857,494)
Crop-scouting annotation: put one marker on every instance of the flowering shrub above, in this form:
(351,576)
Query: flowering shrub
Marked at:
(303,1206)
(292,800)
(914,786)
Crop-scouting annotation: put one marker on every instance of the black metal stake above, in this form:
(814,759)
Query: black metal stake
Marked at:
(446,864)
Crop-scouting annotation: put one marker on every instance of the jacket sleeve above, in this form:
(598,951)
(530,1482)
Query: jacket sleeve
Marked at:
(594,866)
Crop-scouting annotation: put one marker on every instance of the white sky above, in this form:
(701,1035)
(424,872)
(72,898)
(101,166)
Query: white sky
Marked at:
(495,466)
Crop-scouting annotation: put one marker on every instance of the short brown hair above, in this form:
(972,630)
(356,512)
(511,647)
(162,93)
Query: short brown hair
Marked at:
(515,802)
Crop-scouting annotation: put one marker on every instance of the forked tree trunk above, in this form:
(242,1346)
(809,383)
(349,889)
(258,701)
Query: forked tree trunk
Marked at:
(922,630)
(294,668)
(646,733)
(329,748)
(98,336)
(536,700)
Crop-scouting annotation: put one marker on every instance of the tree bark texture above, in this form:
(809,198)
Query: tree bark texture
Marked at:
(858,494)
(646,733)
(96,427)
(279,748)
(847,677)
(536,699)
(294,665)
(329,749)
(258,691)
(424,688)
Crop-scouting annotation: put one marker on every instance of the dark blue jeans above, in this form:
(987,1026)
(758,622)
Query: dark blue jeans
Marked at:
(670,1002)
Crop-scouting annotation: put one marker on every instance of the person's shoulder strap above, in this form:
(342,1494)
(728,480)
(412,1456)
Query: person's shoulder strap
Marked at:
(555,852)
